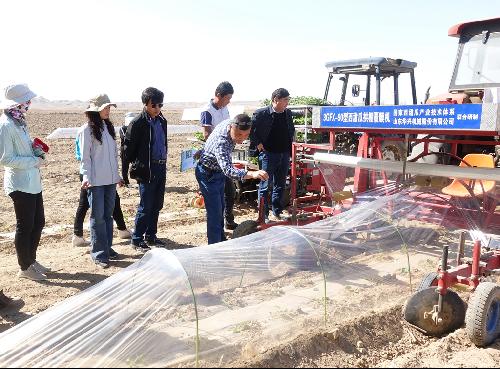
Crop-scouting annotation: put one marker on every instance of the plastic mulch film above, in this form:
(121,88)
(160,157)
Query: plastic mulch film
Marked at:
(217,304)
(130,319)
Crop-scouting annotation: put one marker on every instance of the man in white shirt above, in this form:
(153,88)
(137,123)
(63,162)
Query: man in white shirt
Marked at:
(213,113)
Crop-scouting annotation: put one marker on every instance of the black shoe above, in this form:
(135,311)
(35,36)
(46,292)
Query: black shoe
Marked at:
(6,301)
(231,225)
(101,264)
(142,246)
(156,242)
(113,255)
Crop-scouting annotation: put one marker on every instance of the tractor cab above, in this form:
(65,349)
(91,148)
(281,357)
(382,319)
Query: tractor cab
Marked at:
(359,74)
(365,77)
(476,74)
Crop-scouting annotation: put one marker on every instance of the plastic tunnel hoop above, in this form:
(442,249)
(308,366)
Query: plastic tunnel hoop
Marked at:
(405,247)
(319,263)
(197,340)
(197,336)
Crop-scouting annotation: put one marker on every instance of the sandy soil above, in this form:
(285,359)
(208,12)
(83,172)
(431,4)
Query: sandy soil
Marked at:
(385,340)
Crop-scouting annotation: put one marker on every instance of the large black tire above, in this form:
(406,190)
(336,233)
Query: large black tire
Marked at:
(453,314)
(482,321)
(245,228)
(430,280)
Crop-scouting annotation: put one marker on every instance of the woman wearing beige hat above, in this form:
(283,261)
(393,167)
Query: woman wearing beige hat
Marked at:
(22,179)
(99,167)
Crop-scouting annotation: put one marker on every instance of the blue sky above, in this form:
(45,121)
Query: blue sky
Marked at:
(76,49)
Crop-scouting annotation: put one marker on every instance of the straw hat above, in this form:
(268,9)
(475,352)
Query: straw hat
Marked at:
(15,95)
(99,103)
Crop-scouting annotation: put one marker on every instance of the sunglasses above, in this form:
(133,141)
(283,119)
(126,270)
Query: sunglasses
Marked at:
(243,126)
(156,105)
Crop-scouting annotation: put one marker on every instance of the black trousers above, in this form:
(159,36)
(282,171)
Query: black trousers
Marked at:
(229,200)
(83,207)
(30,220)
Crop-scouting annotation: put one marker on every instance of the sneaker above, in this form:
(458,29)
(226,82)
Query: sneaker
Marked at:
(156,242)
(124,234)
(42,269)
(101,264)
(231,226)
(32,273)
(79,241)
(142,247)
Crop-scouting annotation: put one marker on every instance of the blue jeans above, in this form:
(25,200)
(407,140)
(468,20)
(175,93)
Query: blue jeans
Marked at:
(276,165)
(102,203)
(152,194)
(212,188)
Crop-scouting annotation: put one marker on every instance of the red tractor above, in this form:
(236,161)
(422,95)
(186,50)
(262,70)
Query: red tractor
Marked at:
(434,308)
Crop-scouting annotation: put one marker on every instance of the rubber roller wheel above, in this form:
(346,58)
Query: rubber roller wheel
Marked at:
(423,301)
(482,321)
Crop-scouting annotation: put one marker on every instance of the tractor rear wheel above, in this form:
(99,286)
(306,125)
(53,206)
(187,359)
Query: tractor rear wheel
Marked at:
(483,315)
(423,301)
(245,228)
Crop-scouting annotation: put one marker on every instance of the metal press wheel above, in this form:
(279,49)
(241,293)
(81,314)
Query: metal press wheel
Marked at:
(421,302)
(483,315)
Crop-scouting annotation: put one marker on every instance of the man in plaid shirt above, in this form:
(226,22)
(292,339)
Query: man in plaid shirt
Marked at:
(215,164)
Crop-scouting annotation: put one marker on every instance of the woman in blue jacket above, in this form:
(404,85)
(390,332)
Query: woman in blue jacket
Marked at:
(22,179)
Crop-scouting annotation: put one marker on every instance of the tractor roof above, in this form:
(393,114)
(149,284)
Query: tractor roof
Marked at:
(366,66)
(458,29)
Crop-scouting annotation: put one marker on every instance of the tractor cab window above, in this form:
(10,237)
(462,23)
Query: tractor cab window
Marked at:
(479,63)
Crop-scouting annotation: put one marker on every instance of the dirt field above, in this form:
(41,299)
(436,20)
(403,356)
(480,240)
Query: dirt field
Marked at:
(386,341)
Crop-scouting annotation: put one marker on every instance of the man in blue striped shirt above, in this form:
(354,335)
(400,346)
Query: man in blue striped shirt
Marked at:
(215,164)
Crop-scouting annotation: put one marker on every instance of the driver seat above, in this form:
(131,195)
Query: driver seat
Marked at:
(463,187)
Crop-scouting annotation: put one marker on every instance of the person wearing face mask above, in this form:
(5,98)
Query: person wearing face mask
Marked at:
(145,148)
(271,138)
(22,179)
(216,164)
(99,169)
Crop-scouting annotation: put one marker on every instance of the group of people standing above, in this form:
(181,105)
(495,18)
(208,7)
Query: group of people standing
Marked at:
(271,132)
(144,148)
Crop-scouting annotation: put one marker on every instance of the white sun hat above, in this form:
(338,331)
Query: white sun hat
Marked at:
(15,95)
(99,103)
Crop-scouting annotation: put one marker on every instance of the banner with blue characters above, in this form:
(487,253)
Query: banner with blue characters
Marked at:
(448,116)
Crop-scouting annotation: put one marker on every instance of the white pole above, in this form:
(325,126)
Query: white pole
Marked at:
(439,170)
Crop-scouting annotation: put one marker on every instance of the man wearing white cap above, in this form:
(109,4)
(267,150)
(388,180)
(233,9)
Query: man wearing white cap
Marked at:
(22,179)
